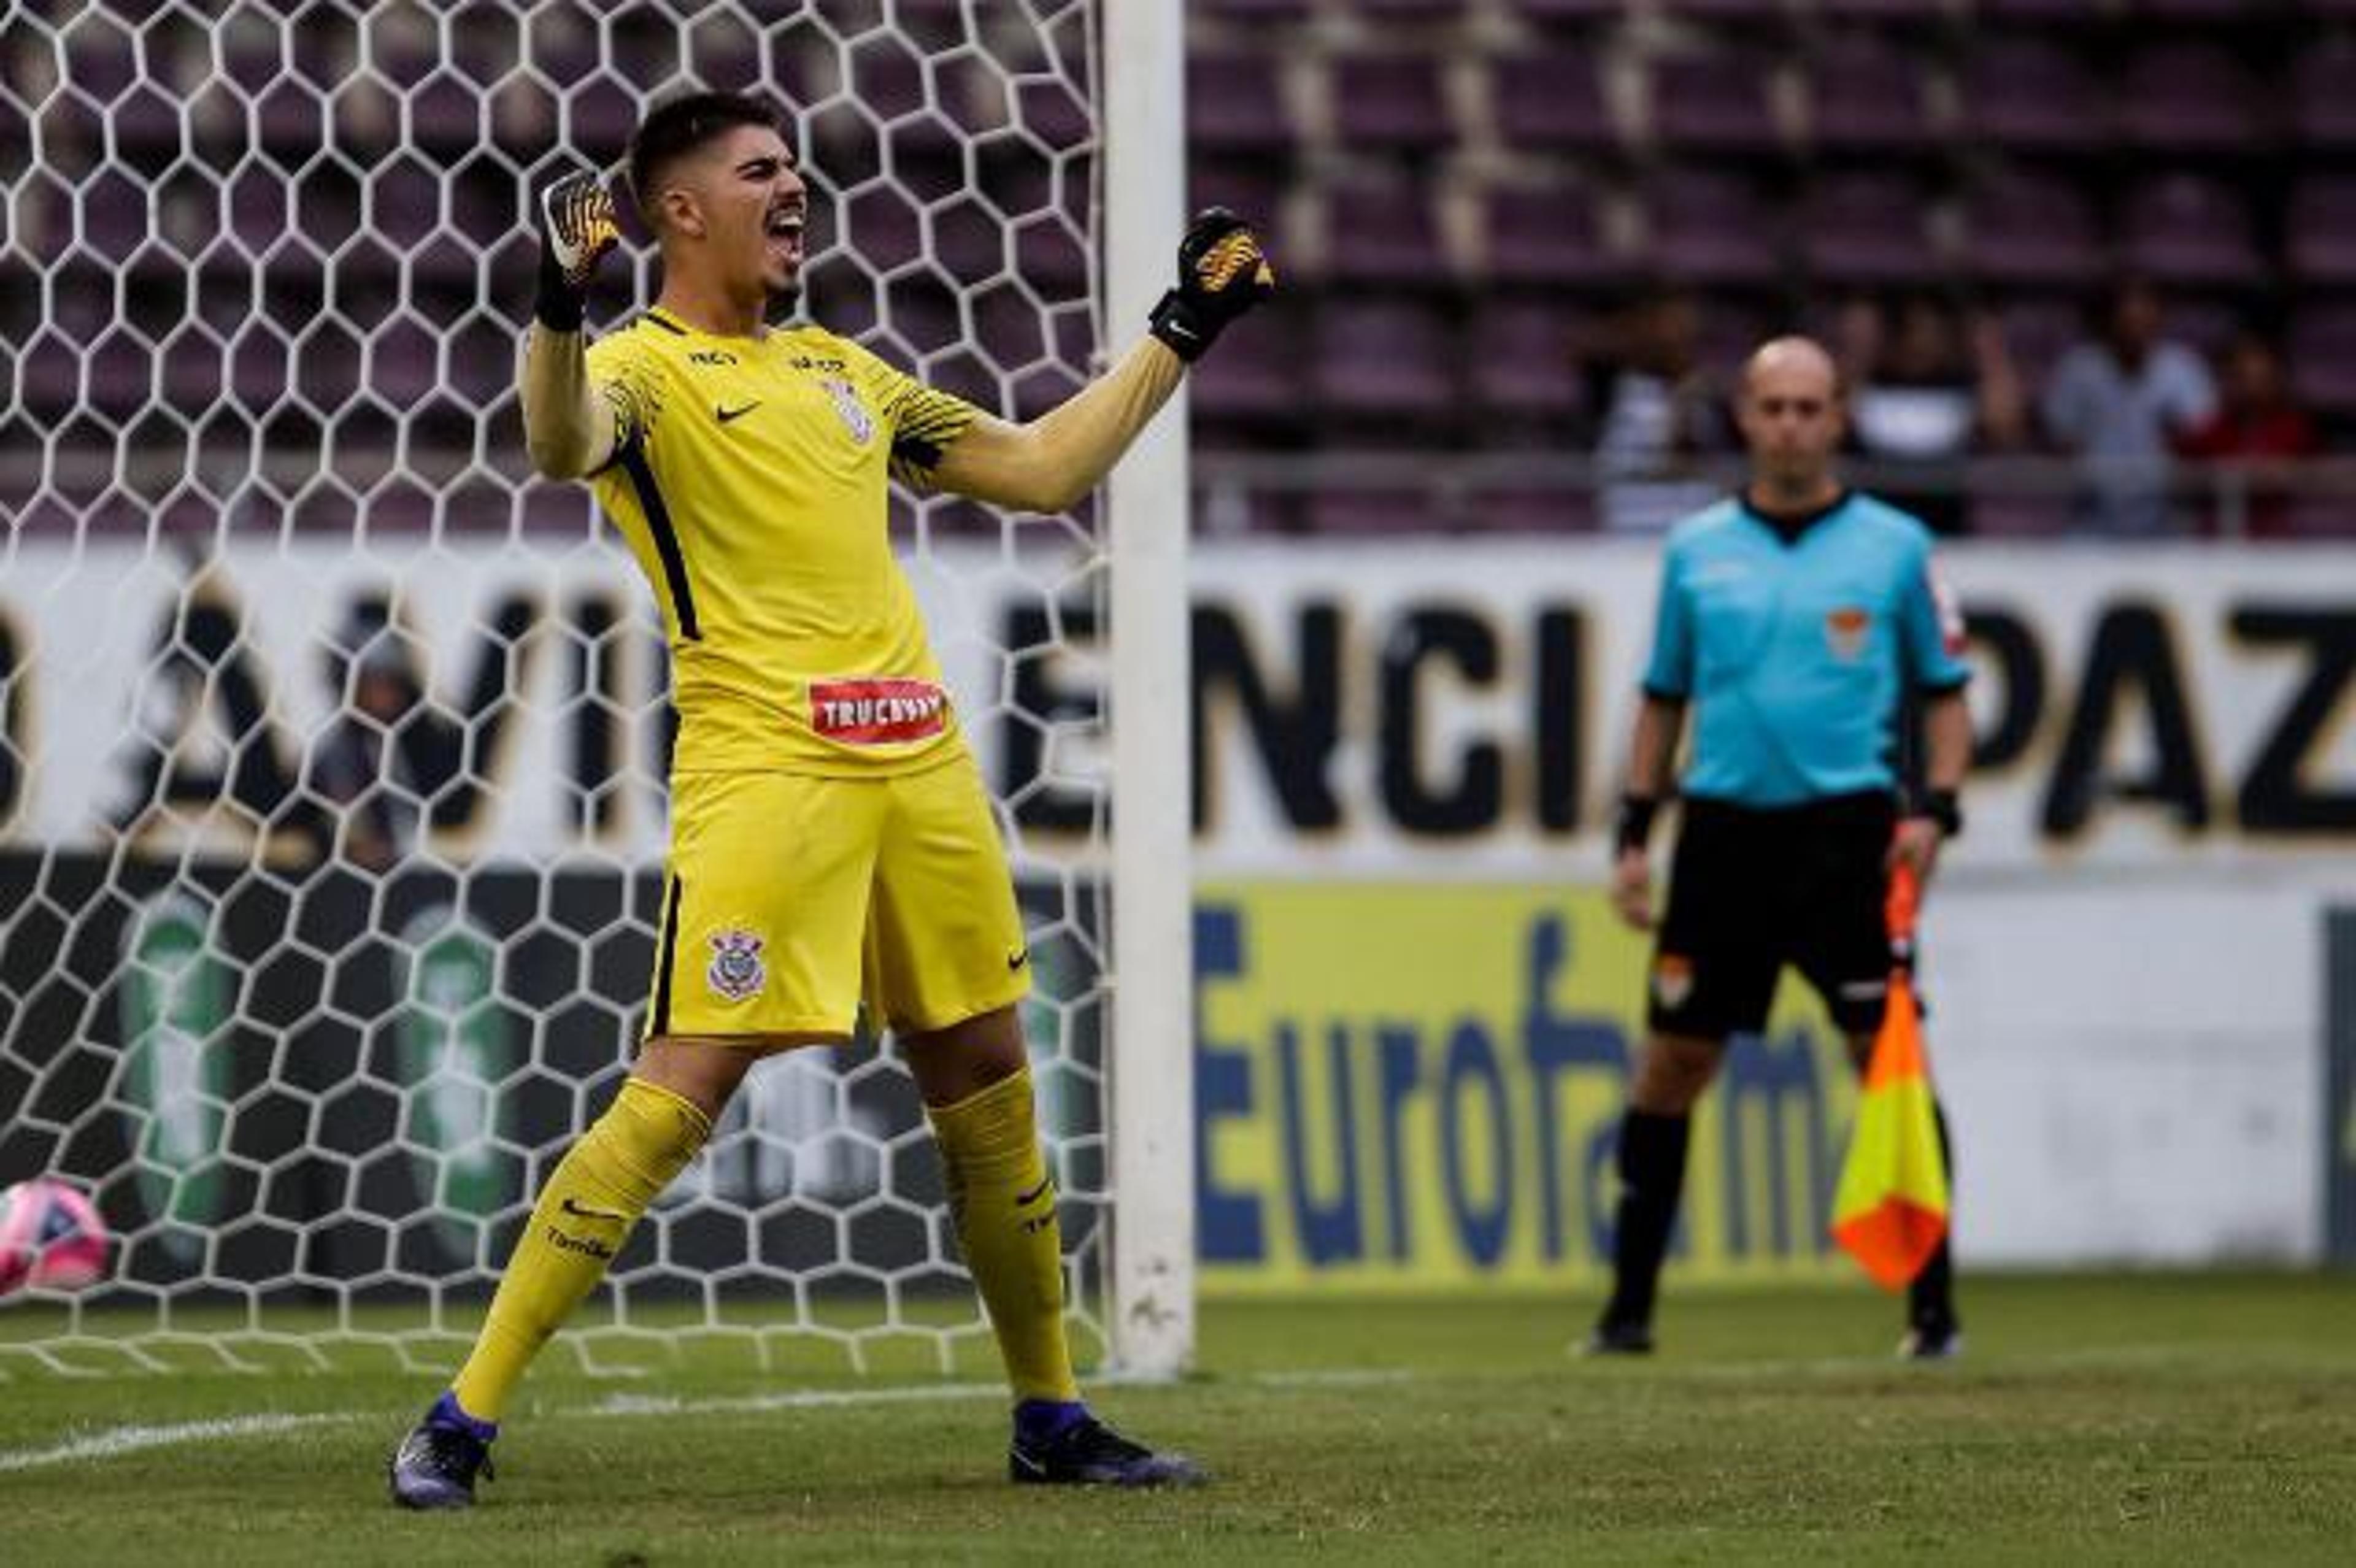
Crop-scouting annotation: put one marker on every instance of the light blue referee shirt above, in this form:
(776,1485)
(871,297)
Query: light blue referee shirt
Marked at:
(1794,645)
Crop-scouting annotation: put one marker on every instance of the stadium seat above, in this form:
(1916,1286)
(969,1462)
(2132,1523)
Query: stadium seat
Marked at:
(882,227)
(1409,11)
(2322,239)
(1235,104)
(1727,333)
(293,121)
(1386,360)
(2031,230)
(1551,102)
(599,116)
(1517,509)
(1884,13)
(49,375)
(1254,384)
(2001,516)
(2029,94)
(1729,13)
(1546,235)
(194,374)
(2185,97)
(1707,226)
(1380,230)
(1250,188)
(115,218)
(1390,104)
(1867,230)
(2319,517)
(402,372)
(561,43)
(1050,257)
(2037,330)
(1574,13)
(258,365)
(1258,11)
(2190,230)
(1524,362)
(2323,358)
(1718,101)
(1052,117)
(1866,94)
(147,130)
(1345,513)
(2323,108)
(2205,11)
(2045,13)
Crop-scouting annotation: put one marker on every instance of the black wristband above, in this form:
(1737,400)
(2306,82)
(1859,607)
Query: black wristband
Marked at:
(1633,827)
(560,306)
(1944,807)
(1179,324)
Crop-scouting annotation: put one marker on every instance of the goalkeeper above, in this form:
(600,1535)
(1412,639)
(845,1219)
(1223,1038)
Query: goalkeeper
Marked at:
(831,839)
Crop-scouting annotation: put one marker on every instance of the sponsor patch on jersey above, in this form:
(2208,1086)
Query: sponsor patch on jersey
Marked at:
(1845,630)
(1951,616)
(1673,979)
(854,413)
(736,972)
(877,713)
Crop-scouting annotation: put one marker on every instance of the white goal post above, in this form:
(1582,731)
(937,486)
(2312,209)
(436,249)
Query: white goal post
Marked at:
(1152,1306)
(331,746)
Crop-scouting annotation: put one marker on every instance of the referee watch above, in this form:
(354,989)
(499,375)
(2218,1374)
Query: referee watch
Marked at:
(1944,807)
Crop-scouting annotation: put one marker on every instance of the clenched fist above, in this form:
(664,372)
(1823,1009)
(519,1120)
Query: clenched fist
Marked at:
(1221,274)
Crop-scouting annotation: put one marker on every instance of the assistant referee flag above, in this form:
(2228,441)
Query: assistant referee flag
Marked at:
(1891,1211)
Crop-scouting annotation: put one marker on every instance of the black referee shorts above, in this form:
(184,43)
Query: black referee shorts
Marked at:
(1753,890)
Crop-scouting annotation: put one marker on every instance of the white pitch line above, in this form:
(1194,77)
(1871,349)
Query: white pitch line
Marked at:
(116,1440)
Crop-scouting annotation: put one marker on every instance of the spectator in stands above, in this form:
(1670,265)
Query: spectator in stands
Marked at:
(1662,415)
(2258,430)
(389,753)
(1923,399)
(2120,402)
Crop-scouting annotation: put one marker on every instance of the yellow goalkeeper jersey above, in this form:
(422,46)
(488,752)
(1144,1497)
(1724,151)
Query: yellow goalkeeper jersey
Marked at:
(749,479)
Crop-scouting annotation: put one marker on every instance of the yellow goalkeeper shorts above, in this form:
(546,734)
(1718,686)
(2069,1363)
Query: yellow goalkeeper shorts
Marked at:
(792,897)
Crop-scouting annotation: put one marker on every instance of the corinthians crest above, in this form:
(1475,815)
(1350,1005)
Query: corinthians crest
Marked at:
(736,970)
(852,412)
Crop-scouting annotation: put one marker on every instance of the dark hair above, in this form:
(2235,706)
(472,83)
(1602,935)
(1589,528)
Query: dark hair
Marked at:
(676,128)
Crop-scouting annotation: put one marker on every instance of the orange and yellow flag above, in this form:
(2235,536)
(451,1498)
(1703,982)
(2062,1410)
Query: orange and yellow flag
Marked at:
(1890,1208)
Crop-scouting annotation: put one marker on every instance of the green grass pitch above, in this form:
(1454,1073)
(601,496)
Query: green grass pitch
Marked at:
(2115,1418)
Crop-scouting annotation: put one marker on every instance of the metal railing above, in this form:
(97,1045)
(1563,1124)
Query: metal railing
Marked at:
(2027,496)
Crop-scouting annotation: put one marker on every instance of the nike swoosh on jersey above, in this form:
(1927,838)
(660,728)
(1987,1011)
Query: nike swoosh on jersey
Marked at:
(724,415)
(575,1207)
(1016,960)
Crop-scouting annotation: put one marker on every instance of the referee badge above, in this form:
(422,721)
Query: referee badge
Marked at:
(847,406)
(736,972)
(1845,630)
(1673,979)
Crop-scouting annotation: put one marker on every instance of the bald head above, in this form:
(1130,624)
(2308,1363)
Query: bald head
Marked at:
(1791,416)
(1794,363)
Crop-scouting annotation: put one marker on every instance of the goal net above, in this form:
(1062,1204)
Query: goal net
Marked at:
(331,806)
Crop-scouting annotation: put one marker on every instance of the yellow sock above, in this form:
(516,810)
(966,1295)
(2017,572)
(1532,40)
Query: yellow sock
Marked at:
(586,1212)
(1004,1205)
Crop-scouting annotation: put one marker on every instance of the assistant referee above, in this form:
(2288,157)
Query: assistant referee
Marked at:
(1795,619)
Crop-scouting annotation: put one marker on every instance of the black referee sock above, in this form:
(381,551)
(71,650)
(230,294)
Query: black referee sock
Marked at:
(1652,1179)
(1931,1299)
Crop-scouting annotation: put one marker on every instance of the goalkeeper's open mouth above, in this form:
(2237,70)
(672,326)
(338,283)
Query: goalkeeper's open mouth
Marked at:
(784,229)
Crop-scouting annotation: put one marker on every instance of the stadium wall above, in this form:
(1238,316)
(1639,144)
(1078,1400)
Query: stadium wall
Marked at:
(1413,1009)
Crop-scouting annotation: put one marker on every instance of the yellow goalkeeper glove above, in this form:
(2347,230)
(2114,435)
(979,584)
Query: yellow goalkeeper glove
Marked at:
(1221,274)
(577,226)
